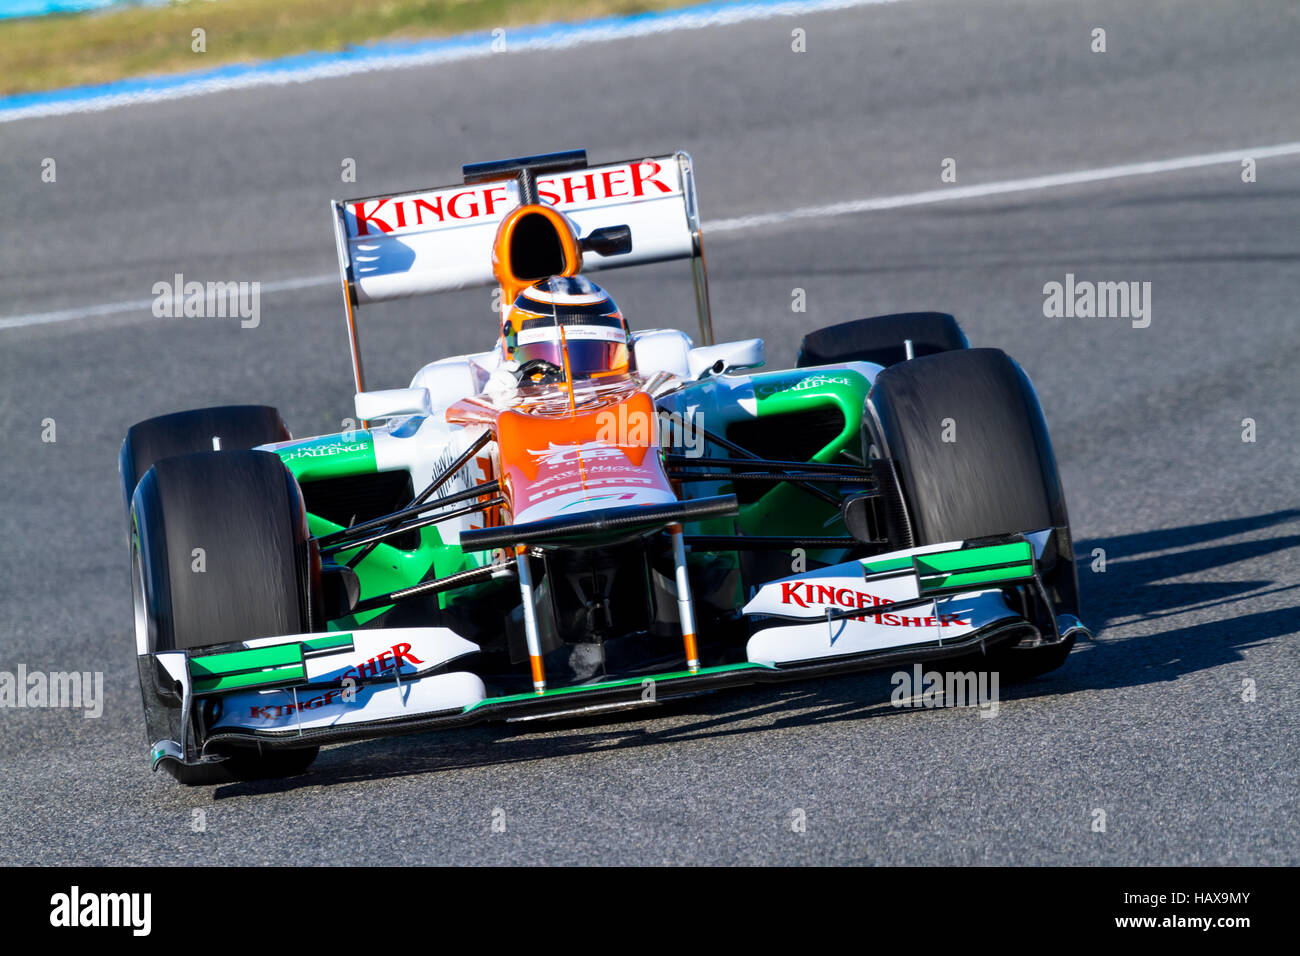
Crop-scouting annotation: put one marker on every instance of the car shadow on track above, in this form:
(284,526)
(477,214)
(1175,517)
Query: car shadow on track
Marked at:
(703,716)
(1139,589)
(1130,591)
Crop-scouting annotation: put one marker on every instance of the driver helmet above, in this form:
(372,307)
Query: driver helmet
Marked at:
(568,311)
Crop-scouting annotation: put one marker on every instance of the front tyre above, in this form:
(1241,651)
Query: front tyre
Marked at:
(228,427)
(881,339)
(221,553)
(970,448)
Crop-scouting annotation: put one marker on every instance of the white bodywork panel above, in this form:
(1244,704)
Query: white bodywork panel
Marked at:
(813,593)
(286,710)
(425,447)
(662,350)
(620,491)
(377,652)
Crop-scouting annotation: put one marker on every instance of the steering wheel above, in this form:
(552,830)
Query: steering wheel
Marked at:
(539,372)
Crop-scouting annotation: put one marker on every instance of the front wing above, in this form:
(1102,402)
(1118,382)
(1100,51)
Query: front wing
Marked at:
(918,605)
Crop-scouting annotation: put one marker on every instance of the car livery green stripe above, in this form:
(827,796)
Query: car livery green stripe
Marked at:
(974,567)
(258,658)
(275,677)
(272,665)
(889,564)
(330,642)
(961,567)
(971,579)
(330,456)
(260,666)
(974,559)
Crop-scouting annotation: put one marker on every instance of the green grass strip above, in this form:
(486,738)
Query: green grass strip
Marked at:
(43,53)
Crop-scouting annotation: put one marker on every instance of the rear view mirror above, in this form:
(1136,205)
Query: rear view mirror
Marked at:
(610,241)
(726,356)
(392,402)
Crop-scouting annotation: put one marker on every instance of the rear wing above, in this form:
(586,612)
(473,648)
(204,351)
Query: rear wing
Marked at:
(440,240)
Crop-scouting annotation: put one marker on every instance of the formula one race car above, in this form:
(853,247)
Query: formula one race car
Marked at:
(586,516)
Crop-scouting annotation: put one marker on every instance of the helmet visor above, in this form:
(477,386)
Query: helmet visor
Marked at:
(593,350)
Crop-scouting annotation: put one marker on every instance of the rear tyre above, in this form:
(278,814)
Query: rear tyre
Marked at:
(221,554)
(880,339)
(995,474)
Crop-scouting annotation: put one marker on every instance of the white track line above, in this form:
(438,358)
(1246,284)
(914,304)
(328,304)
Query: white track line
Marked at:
(949,194)
(146,305)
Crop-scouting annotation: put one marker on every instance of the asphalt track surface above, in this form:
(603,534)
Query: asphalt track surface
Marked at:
(1201,531)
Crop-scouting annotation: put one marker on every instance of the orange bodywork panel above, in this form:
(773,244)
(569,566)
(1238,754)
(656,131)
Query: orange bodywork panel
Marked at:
(503,268)
(553,460)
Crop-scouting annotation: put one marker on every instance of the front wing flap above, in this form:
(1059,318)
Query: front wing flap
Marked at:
(930,595)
